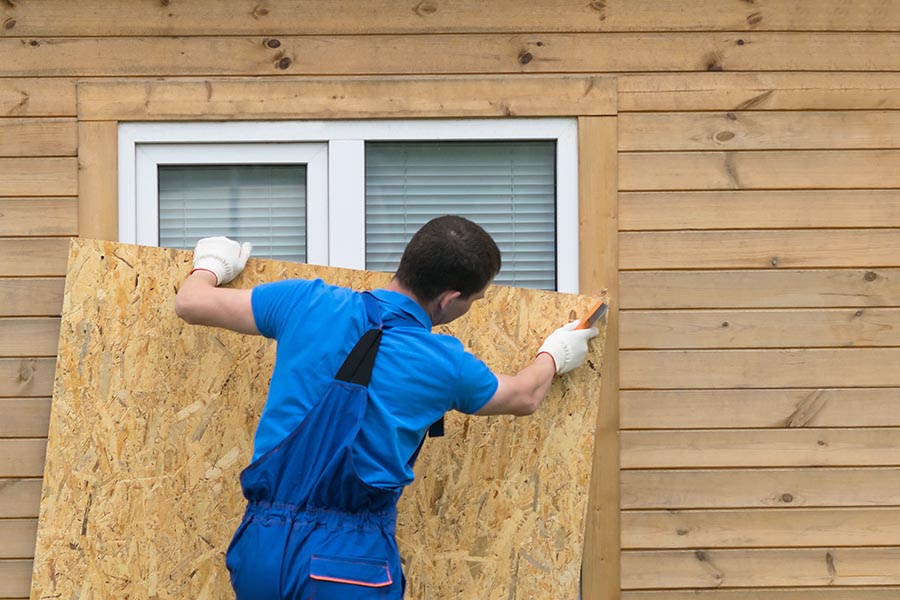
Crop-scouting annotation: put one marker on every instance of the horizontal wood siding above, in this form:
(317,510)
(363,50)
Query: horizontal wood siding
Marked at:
(758,247)
(99,18)
(759,217)
(448,54)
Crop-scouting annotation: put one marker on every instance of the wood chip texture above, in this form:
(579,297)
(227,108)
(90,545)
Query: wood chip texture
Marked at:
(152,421)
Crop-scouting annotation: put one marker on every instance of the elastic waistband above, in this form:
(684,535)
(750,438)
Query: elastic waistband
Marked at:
(331,518)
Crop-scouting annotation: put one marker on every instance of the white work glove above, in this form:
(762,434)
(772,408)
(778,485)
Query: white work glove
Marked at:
(223,257)
(568,346)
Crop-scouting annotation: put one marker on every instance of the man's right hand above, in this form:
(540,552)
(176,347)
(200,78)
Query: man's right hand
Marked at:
(221,256)
(568,346)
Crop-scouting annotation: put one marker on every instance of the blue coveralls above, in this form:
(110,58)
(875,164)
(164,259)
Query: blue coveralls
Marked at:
(313,530)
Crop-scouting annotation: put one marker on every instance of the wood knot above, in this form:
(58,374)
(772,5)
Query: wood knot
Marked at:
(829,564)
(787,498)
(600,7)
(821,443)
(725,324)
(425,8)
(870,276)
(724,136)
(9,23)
(259,11)
(284,63)
(165,2)
(754,19)
(26,372)
(858,313)
(681,531)
(34,43)
(525,57)
(740,42)
(272,43)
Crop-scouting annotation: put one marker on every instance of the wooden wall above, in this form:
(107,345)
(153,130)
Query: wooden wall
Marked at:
(759,218)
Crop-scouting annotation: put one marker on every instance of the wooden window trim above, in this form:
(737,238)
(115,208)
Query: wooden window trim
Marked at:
(103,104)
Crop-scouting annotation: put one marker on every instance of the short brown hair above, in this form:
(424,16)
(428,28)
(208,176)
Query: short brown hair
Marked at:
(448,253)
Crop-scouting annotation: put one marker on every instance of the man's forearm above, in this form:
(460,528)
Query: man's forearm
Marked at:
(200,302)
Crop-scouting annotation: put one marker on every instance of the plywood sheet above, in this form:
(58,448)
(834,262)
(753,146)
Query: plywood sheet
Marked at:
(152,421)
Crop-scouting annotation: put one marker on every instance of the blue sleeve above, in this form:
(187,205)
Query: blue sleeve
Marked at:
(477,384)
(275,303)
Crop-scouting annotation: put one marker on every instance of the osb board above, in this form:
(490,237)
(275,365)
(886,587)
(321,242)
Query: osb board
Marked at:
(152,422)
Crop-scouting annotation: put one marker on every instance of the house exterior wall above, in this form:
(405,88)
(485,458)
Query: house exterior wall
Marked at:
(759,225)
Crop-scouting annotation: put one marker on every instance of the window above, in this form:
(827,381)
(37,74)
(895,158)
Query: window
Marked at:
(351,194)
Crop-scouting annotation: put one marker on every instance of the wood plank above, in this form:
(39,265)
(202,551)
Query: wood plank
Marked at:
(793,248)
(817,367)
(451,53)
(38,137)
(15,578)
(19,498)
(779,169)
(39,176)
(760,448)
(598,271)
(759,91)
(38,216)
(24,417)
(29,336)
(22,458)
(786,288)
(31,296)
(772,130)
(358,97)
(26,377)
(807,407)
(33,256)
(33,97)
(18,537)
(810,593)
(770,209)
(96,18)
(761,568)
(768,527)
(797,328)
(759,488)
(98,180)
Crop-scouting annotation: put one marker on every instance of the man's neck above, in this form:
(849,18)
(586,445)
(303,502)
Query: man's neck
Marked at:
(396,286)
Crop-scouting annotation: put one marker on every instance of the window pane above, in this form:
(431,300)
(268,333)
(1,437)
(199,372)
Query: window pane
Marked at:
(506,187)
(261,204)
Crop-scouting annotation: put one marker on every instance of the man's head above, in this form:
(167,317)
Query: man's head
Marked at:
(448,256)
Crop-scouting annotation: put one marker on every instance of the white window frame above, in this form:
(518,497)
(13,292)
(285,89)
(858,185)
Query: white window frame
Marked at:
(343,222)
(142,216)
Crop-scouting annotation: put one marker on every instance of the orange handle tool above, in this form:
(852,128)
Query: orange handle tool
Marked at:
(597,311)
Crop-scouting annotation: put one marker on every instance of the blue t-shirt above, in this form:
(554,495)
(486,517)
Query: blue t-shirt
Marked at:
(418,375)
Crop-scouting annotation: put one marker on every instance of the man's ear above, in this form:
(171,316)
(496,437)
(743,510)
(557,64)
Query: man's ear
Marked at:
(445,298)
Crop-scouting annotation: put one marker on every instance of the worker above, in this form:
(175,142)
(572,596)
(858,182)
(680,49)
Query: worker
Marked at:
(358,380)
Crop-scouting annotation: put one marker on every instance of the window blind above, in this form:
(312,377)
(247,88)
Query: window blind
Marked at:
(506,187)
(261,204)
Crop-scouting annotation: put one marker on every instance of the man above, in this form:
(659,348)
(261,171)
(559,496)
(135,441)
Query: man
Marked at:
(358,380)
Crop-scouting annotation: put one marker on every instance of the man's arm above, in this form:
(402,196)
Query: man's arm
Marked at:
(200,301)
(521,394)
